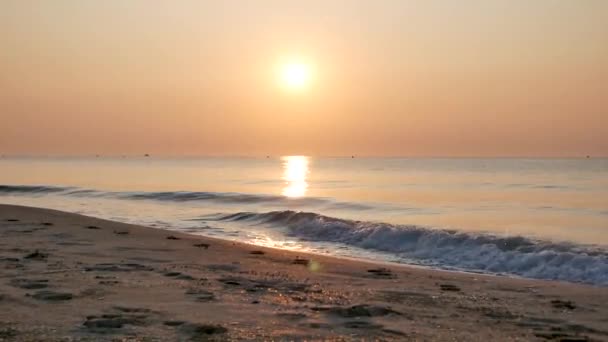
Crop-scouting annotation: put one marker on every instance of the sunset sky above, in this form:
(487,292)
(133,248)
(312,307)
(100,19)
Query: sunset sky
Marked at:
(386,78)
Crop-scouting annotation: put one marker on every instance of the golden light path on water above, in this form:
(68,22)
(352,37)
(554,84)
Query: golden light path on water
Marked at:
(295,172)
(295,185)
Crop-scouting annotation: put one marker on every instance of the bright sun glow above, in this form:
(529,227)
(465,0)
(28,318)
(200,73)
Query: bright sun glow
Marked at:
(295,75)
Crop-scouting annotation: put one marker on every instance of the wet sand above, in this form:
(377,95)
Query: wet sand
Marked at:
(70,277)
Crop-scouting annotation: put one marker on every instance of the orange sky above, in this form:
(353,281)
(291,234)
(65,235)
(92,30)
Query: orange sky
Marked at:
(408,78)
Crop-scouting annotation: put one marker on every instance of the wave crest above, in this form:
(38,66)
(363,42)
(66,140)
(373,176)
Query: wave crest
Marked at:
(33,189)
(184,196)
(515,255)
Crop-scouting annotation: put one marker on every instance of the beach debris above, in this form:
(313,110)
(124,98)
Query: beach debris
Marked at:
(257,252)
(382,272)
(52,296)
(563,304)
(123,232)
(300,261)
(201,245)
(92,227)
(47,223)
(36,255)
(12,220)
(449,287)
(171,237)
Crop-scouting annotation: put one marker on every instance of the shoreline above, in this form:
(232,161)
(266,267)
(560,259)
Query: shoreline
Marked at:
(67,276)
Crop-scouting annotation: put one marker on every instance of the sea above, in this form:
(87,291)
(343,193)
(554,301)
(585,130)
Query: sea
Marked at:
(532,218)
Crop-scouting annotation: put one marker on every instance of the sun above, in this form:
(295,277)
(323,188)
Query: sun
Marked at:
(295,75)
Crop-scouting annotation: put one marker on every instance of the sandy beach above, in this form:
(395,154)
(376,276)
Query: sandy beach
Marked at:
(72,277)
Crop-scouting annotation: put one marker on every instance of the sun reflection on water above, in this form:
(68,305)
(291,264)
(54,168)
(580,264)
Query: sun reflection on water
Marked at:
(295,172)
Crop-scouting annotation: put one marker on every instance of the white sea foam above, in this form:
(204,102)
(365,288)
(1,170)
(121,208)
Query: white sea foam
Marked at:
(514,255)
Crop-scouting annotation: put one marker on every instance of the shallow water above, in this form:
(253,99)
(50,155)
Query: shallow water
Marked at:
(540,218)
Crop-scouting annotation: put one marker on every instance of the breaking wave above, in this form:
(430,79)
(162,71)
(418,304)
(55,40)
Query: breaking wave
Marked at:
(467,251)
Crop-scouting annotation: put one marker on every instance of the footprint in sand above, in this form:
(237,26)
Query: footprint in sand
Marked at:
(230,282)
(449,287)
(201,295)
(292,316)
(52,296)
(563,304)
(201,332)
(178,275)
(109,282)
(11,263)
(174,323)
(29,284)
(362,325)
(223,267)
(111,267)
(381,272)
(118,318)
(8,333)
(36,255)
(362,310)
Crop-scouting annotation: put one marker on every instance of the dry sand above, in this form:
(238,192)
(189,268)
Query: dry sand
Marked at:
(70,277)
